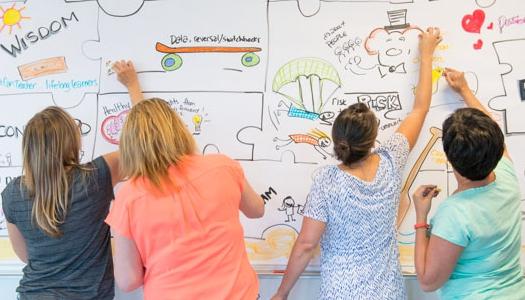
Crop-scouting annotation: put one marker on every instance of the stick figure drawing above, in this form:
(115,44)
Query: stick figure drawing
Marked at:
(289,207)
(318,139)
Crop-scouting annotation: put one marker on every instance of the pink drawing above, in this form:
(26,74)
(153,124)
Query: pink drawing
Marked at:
(472,23)
(478,44)
(491,25)
(112,126)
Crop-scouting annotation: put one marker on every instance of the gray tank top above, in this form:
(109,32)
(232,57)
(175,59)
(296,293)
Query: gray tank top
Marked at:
(78,265)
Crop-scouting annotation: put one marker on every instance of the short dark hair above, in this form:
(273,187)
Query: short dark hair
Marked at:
(354,133)
(473,143)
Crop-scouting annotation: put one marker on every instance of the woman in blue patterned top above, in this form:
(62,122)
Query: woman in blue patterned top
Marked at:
(353,206)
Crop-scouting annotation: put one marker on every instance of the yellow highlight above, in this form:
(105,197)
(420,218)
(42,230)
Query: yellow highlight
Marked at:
(436,74)
(277,242)
(438,157)
(197,119)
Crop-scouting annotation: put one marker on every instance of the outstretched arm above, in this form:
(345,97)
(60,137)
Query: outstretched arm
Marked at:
(303,250)
(458,83)
(127,75)
(411,125)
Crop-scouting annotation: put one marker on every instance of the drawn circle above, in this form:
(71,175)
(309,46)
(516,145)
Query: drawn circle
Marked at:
(309,8)
(171,62)
(250,59)
(116,8)
(485,3)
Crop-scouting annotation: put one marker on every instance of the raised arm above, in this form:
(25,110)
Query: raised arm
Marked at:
(126,75)
(456,80)
(411,125)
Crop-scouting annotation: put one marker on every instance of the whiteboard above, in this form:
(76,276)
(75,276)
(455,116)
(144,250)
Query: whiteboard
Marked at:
(261,81)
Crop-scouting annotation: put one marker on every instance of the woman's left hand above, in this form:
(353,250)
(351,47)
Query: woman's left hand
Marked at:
(423,200)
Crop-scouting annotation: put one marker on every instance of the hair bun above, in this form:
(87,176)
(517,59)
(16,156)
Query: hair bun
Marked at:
(343,150)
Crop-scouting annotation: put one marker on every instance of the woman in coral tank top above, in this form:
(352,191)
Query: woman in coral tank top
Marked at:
(176,220)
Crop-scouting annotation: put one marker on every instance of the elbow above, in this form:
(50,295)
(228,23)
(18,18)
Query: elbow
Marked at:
(129,283)
(428,285)
(306,246)
(22,255)
(257,213)
(260,211)
(428,288)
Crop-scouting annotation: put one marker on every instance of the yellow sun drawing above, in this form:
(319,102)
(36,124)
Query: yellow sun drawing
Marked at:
(11,17)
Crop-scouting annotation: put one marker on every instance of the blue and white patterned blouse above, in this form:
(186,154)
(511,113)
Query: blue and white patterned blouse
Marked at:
(359,254)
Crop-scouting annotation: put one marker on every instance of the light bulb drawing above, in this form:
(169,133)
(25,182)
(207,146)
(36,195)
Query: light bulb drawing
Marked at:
(197,121)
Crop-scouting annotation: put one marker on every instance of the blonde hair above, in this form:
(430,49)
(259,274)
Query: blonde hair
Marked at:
(153,138)
(51,148)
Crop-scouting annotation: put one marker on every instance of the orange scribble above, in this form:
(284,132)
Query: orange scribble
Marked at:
(277,242)
(438,157)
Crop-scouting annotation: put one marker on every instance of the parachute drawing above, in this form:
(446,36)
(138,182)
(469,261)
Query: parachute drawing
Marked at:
(307,83)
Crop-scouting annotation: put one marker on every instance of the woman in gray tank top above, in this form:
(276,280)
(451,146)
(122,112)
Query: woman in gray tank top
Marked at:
(55,211)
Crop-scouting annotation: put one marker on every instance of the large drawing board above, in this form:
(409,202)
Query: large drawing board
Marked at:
(261,81)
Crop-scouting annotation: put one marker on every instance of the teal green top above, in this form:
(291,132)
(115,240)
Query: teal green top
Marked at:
(486,221)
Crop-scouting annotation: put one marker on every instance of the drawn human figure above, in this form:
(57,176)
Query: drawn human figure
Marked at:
(306,84)
(295,112)
(318,139)
(290,208)
(390,43)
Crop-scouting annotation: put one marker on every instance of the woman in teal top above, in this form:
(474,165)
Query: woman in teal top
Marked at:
(474,246)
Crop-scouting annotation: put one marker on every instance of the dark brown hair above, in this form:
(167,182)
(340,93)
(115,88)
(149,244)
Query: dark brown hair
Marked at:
(354,133)
(473,143)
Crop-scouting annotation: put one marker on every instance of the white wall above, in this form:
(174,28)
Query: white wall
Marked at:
(306,288)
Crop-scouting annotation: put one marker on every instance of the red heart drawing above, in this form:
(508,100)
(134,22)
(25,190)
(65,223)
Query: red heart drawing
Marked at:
(473,23)
(490,26)
(478,45)
(111,127)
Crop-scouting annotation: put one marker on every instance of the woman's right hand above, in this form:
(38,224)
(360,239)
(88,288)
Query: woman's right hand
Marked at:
(278,297)
(429,40)
(126,73)
(456,80)
(422,198)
